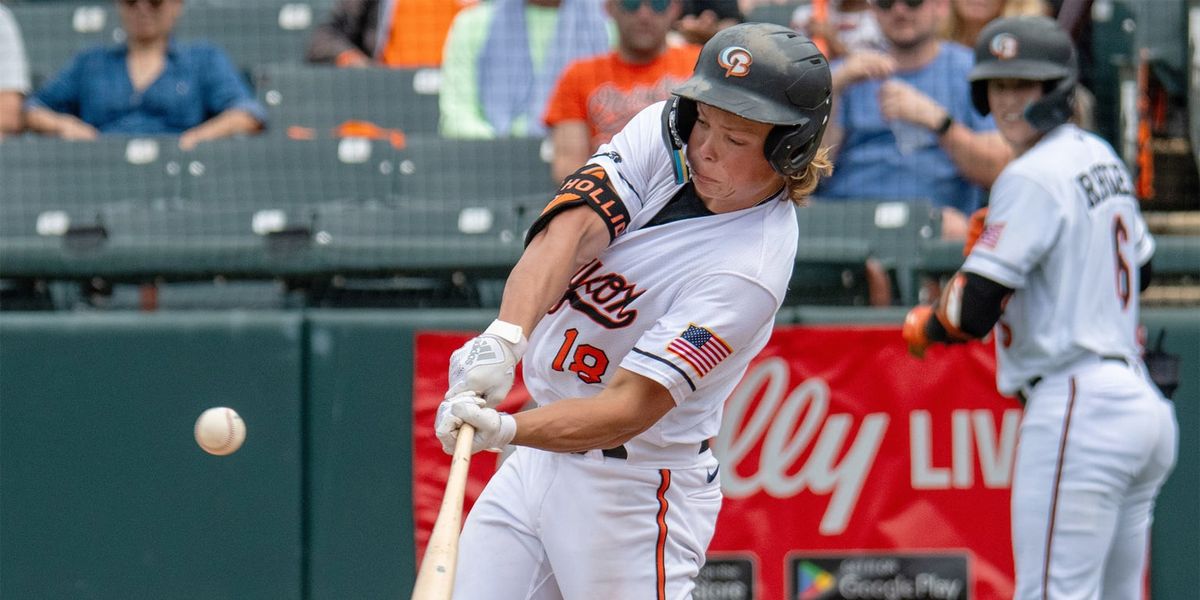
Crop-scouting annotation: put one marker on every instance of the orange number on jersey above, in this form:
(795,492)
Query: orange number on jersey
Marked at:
(588,362)
(1124,273)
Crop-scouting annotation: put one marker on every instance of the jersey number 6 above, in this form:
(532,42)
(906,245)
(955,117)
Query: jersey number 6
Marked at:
(1124,273)
(588,362)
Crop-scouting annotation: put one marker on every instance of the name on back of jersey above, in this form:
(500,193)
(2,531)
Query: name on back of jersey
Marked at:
(1104,181)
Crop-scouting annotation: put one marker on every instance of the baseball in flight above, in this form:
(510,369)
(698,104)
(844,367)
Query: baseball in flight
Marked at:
(220,431)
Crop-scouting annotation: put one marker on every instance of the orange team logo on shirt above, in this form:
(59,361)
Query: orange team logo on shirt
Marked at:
(736,61)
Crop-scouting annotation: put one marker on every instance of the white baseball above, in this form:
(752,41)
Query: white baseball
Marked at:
(220,431)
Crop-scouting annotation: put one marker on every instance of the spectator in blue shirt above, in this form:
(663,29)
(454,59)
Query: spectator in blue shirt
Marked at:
(903,125)
(149,85)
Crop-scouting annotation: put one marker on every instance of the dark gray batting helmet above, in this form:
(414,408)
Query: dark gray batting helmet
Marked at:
(766,73)
(1032,48)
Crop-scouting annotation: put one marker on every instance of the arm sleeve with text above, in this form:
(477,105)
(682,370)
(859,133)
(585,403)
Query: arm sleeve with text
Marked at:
(616,179)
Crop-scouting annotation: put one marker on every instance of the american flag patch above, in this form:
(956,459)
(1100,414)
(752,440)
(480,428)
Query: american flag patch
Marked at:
(991,235)
(700,348)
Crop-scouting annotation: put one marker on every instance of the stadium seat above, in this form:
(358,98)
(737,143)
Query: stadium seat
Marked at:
(271,172)
(895,232)
(323,98)
(473,170)
(779,14)
(253,33)
(51,186)
(54,32)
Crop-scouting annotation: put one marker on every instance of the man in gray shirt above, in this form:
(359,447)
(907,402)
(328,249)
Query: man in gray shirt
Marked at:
(14,74)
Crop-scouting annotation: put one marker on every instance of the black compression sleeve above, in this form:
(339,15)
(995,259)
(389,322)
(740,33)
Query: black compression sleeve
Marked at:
(980,305)
(1145,272)
(983,301)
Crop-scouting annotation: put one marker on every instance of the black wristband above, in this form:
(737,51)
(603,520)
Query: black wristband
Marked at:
(945,126)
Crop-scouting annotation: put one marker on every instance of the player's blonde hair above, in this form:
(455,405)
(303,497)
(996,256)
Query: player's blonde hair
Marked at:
(801,185)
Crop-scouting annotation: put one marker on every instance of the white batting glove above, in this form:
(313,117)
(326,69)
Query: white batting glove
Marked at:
(493,430)
(487,363)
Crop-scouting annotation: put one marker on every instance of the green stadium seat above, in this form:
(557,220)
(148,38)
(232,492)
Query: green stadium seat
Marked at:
(252,34)
(421,236)
(779,14)
(473,170)
(895,232)
(322,98)
(54,32)
(49,186)
(268,172)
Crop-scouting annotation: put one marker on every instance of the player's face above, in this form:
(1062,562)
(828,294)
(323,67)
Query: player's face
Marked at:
(725,153)
(1008,99)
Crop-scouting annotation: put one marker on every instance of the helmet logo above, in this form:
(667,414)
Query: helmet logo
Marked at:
(736,61)
(1004,46)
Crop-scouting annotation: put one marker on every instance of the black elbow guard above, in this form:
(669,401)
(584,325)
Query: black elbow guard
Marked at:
(968,309)
(983,302)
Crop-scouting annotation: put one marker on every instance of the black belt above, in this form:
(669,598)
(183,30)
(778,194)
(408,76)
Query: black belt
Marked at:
(1036,379)
(621,453)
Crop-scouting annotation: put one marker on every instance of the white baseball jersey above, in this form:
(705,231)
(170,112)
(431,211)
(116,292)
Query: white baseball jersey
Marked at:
(1063,229)
(682,296)
(1096,440)
(686,303)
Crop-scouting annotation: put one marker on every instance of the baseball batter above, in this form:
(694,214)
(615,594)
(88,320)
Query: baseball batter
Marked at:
(1057,269)
(648,283)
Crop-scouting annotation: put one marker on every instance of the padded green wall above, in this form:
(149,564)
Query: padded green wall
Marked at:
(103,493)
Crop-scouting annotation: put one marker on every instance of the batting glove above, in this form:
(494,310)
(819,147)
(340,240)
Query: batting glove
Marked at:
(487,363)
(493,430)
(914,330)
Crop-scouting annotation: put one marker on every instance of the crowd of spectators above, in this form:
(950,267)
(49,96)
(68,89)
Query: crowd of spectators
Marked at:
(573,70)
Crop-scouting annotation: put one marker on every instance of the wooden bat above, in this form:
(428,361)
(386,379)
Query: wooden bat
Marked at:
(435,578)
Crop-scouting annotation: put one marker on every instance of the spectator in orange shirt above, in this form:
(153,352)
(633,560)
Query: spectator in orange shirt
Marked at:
(596,97)
(393,33)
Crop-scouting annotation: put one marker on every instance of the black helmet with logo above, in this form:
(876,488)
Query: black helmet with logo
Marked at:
(1032,48)
(766,73)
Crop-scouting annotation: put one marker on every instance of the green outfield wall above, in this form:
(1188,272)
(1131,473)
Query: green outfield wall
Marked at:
(104,495)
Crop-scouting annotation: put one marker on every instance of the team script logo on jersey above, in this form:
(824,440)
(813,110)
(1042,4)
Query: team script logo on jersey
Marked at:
(604,297)
(736,61)
(700,348)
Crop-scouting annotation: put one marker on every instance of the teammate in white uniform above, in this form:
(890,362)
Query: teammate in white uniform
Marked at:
(1058,265)
(649,282)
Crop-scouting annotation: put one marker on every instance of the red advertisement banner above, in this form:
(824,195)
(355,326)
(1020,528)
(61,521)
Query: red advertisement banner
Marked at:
(835,442)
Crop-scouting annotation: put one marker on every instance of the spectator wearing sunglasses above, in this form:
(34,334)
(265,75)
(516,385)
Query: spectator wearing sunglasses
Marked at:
(904,126)
(148,85)
(597,96)
(14,74)
(503,58)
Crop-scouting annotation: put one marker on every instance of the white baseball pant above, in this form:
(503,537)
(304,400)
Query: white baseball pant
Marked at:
(1097,442)
(554,526)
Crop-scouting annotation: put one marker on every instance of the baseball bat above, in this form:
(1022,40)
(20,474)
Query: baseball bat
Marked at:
(435,578)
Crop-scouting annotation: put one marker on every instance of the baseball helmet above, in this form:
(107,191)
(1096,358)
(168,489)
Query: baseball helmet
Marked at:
(766,73)
(1032,48)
